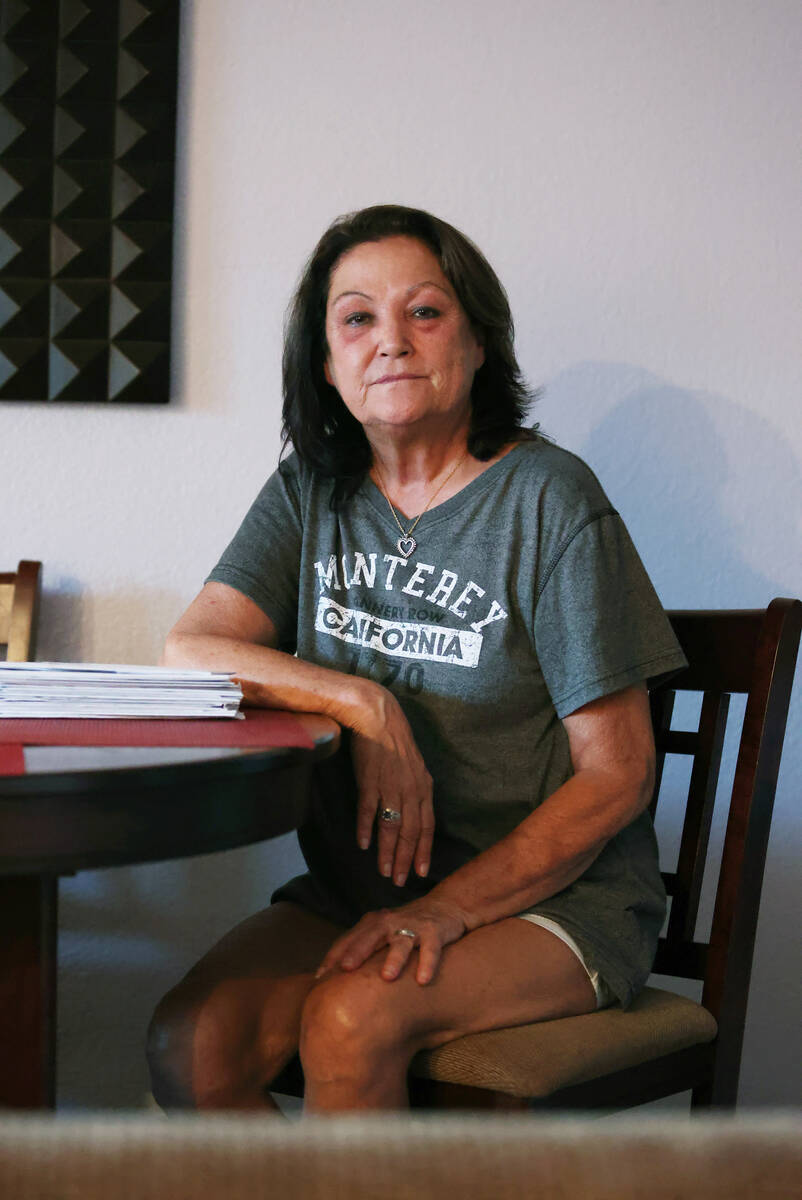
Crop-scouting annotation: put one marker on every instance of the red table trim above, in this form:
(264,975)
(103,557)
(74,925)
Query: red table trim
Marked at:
(262,729)
(12,759)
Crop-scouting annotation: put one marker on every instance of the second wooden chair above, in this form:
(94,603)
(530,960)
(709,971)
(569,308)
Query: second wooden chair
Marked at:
(19,604)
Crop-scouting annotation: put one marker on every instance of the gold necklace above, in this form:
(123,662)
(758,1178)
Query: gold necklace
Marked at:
(406,543)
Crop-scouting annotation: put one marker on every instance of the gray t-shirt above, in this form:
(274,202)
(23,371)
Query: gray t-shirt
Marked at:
(524,600)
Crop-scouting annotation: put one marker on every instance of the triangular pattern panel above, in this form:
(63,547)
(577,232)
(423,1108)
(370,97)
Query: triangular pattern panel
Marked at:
(87,152)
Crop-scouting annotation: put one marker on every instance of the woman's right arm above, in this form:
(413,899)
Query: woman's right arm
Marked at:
(223,630)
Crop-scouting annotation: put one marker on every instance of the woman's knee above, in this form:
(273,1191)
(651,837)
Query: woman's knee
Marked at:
(186,1048)
(169,1050)
(349,1027)
(214,1047)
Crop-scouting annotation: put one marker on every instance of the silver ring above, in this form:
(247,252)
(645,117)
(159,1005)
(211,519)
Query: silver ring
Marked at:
(389,814)
(406,933)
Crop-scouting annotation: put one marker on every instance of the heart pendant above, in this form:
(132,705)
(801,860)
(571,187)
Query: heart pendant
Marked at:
(406,545)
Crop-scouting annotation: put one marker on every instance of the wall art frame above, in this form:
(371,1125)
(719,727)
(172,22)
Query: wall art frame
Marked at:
(88,94)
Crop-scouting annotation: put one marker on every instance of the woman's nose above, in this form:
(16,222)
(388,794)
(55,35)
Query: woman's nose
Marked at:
(392,339)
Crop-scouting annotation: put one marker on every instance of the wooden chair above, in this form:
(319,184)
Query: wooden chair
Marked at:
(19,605)
(665,1043)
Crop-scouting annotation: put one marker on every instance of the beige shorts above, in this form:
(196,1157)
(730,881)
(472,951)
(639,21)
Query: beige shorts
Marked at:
(604,996)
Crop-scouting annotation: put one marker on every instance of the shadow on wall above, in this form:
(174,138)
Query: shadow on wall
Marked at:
(60,637)
(79,623)
(710,492)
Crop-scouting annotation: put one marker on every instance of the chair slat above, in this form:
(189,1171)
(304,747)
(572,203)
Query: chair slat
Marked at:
(661,702)
(698,818)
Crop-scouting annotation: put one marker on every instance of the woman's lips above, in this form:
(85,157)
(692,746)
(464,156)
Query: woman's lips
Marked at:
(396,378)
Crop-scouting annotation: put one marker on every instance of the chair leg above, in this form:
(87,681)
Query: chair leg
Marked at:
(710,1095)
(719,1090)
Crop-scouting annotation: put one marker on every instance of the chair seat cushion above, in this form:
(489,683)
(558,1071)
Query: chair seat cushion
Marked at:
(536,1060)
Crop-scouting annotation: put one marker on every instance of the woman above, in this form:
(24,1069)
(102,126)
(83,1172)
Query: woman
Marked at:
(459,594)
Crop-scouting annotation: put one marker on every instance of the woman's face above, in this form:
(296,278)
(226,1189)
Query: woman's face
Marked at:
(402,353)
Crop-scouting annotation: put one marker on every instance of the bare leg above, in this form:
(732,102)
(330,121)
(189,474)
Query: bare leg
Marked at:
(359,1032)
(227,1029)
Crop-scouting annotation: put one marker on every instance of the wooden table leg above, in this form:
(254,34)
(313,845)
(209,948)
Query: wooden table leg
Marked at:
(28,932)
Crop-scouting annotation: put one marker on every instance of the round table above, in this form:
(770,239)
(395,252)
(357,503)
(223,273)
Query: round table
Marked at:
(79,807)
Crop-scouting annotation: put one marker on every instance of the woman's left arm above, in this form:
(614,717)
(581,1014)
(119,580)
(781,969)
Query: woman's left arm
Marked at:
(612,752)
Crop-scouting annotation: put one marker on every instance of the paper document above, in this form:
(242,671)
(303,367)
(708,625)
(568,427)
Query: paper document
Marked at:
(40,689)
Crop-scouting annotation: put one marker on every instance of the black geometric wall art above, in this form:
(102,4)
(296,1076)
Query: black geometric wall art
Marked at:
(87,155)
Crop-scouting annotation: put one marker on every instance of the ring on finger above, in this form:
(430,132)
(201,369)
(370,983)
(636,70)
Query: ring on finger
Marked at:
(410,933)
(390,815)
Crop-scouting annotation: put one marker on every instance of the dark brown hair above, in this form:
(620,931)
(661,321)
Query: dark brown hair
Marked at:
(323,432)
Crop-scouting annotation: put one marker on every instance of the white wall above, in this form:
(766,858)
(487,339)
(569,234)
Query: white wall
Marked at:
(632,169)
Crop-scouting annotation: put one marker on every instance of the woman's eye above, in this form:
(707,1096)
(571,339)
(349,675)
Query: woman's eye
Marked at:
(426,311)
(357,318)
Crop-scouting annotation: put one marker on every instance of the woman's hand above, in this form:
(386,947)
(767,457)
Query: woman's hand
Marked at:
(391,774)
(435,924)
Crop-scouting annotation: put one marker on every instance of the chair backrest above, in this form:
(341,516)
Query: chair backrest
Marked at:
(19,606)
(751,652)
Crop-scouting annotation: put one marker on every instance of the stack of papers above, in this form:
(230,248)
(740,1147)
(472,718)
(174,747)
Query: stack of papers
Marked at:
(40,689)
